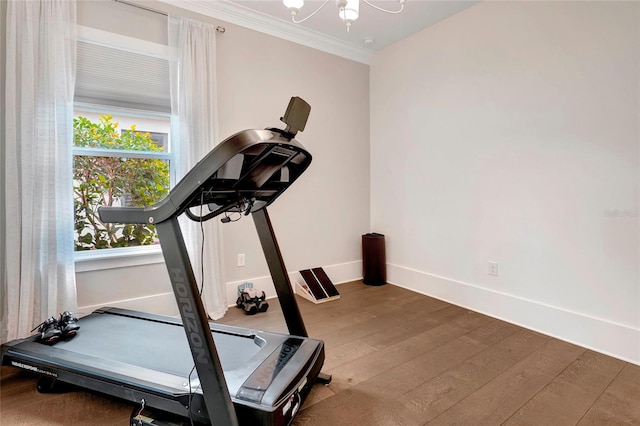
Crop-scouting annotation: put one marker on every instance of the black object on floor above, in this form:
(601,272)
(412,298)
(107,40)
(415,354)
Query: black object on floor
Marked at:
(317,287)
(251,300)
(374,266)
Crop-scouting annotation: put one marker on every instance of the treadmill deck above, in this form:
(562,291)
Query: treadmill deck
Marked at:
(150,353)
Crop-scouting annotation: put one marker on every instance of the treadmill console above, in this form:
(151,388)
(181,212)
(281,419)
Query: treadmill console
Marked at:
(244,173)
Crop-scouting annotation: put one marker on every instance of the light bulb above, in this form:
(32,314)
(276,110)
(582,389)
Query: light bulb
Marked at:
(351,11)
(293,4)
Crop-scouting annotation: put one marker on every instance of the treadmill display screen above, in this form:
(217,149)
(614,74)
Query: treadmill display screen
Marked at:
(256,385)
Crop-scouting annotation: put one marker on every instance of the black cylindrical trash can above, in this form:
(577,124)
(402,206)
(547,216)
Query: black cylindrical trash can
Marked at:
(374,266)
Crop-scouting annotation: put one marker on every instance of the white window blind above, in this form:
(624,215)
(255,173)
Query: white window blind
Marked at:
(117,77)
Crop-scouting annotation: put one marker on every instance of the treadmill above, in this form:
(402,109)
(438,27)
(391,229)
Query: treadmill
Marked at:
(189,367)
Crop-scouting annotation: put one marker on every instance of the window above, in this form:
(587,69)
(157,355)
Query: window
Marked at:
(117,162)
(122,145)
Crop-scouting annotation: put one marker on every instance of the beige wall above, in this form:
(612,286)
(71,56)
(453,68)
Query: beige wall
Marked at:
(509,133)
(319,220)
(120,18)
(3,58)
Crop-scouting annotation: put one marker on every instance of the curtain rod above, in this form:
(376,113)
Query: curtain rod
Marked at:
(219,29)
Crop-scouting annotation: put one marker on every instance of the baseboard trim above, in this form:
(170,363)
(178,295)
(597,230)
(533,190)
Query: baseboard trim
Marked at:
(165,303)
(338,274)
(607,337)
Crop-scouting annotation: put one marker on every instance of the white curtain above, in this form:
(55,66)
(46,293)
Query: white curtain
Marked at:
(38,280)
(194,126)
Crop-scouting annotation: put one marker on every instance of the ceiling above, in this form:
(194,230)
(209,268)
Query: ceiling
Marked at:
(383,28)
(325,30)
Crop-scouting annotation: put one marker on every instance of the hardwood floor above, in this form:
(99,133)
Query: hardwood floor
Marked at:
(400,358)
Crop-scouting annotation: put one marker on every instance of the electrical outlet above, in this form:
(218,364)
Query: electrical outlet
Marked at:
(493,268)
(241,259)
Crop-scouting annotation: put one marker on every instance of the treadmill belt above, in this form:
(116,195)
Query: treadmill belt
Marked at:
(152,345)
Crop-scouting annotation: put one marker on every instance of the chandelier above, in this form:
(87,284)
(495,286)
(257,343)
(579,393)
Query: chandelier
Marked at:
(348,10)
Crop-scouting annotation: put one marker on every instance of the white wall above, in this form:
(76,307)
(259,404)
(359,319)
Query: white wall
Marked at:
(509,133)
(3,59)
(319,220)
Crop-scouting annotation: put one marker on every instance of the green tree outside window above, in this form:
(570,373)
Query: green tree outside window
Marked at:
(111,180)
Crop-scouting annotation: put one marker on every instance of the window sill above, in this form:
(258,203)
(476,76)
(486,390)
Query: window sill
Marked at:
(96,260)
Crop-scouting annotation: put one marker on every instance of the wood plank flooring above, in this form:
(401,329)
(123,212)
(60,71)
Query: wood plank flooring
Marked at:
(401,358)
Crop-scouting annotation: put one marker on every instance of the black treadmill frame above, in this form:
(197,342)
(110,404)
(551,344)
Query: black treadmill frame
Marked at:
(259,181)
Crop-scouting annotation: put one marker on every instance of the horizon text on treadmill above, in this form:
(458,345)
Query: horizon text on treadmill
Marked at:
(188,316)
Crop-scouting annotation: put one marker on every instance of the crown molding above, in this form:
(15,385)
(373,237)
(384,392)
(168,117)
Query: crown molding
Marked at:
(245,17)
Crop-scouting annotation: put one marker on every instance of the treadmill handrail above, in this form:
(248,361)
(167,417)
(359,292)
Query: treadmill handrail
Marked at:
(122,214)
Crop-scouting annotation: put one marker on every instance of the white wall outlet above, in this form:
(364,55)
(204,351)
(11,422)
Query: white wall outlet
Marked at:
(241,259)
(493,268)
